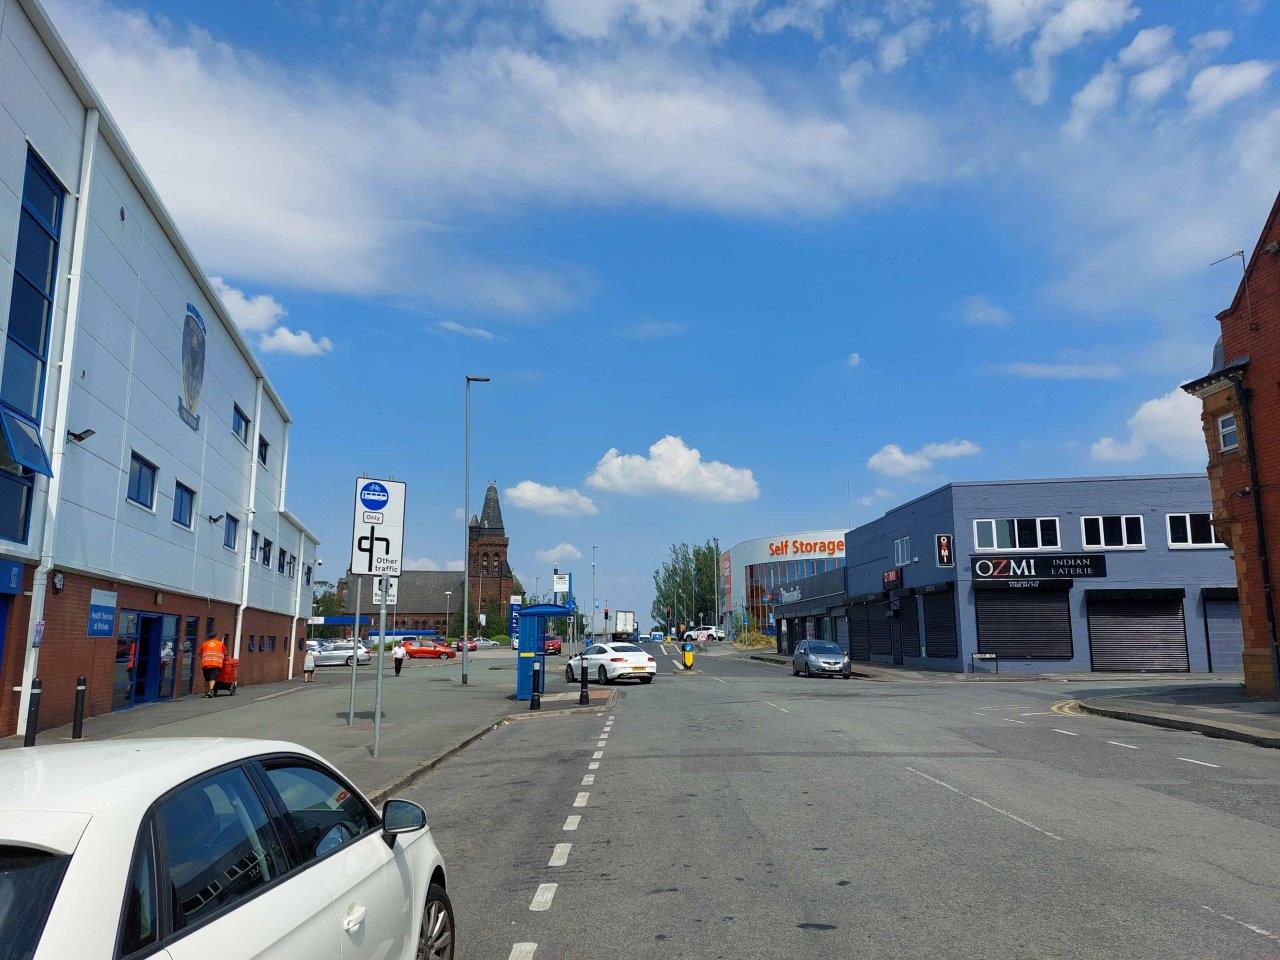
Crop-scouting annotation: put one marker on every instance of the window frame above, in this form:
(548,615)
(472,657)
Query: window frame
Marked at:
(292,567)
(191,506)
(1124,532)
(231,531)
(1222,434)
(1217,544)
(996,548)
(281,554)
(902,552)
(266,552)
(135,456)
(264,449)
(245,430)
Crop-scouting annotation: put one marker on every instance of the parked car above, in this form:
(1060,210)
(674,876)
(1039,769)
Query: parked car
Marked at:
(472,644)
(340,652)
(484,643)
(430,649)
(820,658)
(551,645)
(704,633)
(312,645)
(192,848)
(607,662)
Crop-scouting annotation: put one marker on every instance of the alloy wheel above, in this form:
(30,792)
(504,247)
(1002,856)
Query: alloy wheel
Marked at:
(437,933)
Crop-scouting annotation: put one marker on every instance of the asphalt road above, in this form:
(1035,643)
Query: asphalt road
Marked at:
(746,813)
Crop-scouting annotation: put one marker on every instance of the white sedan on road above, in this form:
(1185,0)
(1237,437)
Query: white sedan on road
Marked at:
(612,661)
(199,848)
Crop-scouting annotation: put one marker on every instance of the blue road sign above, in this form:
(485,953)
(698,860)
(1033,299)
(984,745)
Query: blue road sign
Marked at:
(374,495)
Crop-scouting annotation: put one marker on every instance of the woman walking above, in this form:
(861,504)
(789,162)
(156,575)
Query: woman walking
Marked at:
(397,655)
(309,666)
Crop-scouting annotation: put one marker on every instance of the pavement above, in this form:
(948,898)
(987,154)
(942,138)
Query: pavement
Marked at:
(1213,709)
(746,813)
(427,716)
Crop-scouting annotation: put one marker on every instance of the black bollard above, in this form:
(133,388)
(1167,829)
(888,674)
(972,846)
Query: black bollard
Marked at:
(535,701)
(33,713)
(584,695)
(77,719)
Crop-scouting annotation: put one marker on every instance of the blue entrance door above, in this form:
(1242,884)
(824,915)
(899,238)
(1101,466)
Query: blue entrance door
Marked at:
(146,648)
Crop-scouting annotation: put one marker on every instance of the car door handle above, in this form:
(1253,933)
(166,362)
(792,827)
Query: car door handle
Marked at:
(354,918)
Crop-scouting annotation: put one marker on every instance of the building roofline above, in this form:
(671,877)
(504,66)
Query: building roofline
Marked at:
(782,536)
(1253,258)
(111,133)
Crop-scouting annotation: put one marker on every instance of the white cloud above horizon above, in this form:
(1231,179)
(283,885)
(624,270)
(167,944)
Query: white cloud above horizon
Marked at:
(1030,370)
(892,461)
(673,467)
(261,314)
(855,360)
(978,310)
(550,500)
(559,554)
(1168,426)
(298,343)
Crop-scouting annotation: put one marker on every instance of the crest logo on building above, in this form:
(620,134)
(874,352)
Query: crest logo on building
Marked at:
(193,353)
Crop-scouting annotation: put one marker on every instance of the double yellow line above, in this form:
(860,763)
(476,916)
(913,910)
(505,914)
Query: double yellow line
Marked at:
(1067,708)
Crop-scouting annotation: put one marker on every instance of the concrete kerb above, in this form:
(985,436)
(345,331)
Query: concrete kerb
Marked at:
(1172,722)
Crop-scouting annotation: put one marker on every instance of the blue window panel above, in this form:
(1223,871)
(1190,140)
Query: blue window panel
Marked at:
(29,313)
(142,481)
(239,423)
(15,506)
(41,194)
(37,255)
(22,380)
(263,447)
(23,442)
(184,500)
(231,530)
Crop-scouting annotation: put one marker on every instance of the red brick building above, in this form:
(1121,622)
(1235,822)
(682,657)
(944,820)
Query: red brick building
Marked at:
(1241,397)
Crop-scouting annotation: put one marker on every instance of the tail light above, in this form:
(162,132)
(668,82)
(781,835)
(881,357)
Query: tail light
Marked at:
(650,659)
(617,659)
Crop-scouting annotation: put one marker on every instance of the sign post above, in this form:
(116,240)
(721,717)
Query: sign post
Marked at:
(382,662)
(355,653)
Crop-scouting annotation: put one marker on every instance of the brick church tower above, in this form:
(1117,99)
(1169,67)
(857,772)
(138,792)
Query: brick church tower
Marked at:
(491,578)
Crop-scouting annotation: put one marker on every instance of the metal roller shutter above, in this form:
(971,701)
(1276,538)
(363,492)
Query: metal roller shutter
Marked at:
(859,643)
(842,632)
(1226,636)
(1024,624)
(1146,634)
(940,625)
(878,628)
(910,626)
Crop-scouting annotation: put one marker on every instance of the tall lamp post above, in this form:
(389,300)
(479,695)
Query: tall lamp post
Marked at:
(466,528)
(448,596)
(718,582)
(584,696)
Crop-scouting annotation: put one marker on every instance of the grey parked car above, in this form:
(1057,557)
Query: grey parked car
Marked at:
(815,658)
(333,654)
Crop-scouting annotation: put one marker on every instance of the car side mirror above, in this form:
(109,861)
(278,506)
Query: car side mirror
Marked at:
(402,816)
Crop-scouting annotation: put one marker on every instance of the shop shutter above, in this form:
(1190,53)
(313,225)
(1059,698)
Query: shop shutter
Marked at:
(940,625)
(878,628)
(1226,636)
(1147,634)
(1024,624)
(909,623)
(859,642)
(842,632)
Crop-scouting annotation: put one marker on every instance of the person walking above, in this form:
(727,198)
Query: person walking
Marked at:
(309,667)
(213,654)
(397,655)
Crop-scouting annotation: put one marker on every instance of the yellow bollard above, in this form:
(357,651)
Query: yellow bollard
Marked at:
(687,655)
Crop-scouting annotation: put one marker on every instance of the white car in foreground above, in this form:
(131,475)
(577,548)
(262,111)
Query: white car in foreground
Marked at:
(190,848)
(612,661)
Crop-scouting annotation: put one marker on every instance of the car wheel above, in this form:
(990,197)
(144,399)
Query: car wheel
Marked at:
(350,661)
(807,672)
(646,679)
(435,941)
(568,673)
(846,675)
(602,675)
(795,671)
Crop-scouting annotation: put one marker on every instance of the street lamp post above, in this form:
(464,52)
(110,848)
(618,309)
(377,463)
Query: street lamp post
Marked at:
(448,596)
(718,581)
(584,696)
(466,528)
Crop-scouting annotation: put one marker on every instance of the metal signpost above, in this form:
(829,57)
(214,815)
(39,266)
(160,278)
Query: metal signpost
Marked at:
(355,653)
(377,547)
(392,596)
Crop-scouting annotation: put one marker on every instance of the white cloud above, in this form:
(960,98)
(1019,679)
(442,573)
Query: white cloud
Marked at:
(553,501)
(476,333)
(1097,96)
(1062,371)
(981,312)
(855,359)
(455,565)
(896,48)
(673,467)
(297,343)
(458,513)
(1154,82)
(1070,26)
(870,499)
(421,563)
(891,460)
(1168,426)
(255,314)
(1148,47)
(652,330)
(1214,87)
(559,553)
(1008,21)
(1211,41)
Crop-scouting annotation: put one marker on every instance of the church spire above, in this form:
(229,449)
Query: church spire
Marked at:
(491,515)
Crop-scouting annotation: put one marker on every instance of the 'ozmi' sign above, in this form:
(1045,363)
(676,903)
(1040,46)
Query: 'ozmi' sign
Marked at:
(798,548)
(1057,566)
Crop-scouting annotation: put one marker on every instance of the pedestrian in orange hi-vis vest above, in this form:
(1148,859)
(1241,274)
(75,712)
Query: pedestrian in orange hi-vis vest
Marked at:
(213,654)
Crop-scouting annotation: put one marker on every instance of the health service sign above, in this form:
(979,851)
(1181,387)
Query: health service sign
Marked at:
(102,613)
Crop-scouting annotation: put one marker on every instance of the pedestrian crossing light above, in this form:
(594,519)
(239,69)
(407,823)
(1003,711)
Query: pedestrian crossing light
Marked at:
(606,613)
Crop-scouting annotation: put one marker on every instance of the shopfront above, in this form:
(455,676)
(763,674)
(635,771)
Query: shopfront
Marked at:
(753,574)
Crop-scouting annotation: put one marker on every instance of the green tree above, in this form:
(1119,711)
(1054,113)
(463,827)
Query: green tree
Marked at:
(684,586)
(325,604)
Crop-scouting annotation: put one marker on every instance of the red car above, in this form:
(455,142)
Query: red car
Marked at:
(471,644)
(551,645)
(429,649)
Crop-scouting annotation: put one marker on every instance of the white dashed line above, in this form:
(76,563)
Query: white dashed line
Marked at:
(772,704)
(1201,763)
(589,780)
(560,855)
(571,822)
(605,735)
(597,755)
(1037,713)
(601,744)
(1011,720)
(1117,743)
(522,951)
(593,766)
(1067,732)
(611,716)
(542,899)
(994,809)
(1251,927)
(718,680)
(676,662)
(581,799)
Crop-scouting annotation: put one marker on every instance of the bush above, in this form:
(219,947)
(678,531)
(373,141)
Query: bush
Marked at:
(754,640)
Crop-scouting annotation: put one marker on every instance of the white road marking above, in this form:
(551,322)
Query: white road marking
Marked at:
(719,680)
(605,735)
(611,716)
(1201,762)
(542,899)
(571,822)
(665,650)
(581,800)
(269,696)
(1117,743)
(772,704)
(1036,713)
(1252,927)
(991,807)
(1011,720)
(522,951)
(675,661)
(560,855)
(593,766)
(1067,732)
(597,755)
(589,780)
(601,744)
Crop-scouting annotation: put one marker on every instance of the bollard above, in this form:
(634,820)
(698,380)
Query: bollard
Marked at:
(77,719)
(584,695)
(33,713)
(535,701)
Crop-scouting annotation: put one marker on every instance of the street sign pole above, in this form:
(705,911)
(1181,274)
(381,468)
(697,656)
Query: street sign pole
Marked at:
(355,653)
(382,642)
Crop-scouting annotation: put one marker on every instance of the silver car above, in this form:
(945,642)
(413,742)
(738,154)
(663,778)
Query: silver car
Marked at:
(335,654)
(817,658)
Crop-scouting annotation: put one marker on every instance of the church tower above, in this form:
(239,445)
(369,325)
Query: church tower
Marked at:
(487,545)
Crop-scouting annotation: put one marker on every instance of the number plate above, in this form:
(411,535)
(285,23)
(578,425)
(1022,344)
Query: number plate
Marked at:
(641,669)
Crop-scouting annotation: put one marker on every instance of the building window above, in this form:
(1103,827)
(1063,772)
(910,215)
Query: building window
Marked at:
(263,447)
(271,644)
(1113,532)
(230,530)
(306,574)
(1228,434)
(1024,533)
(266,553)
(253,544)
(252,641)
(142,482)
(292,567)
(1191,530)
(240,423)
(902,552)
(280,561)
(184,502)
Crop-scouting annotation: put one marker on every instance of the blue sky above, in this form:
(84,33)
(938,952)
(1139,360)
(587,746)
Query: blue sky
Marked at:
(837,253)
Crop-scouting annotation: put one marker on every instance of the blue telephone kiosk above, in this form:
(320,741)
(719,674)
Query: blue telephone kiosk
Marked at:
(533,631)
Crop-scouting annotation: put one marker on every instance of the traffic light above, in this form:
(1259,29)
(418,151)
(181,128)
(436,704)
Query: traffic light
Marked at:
(606,613)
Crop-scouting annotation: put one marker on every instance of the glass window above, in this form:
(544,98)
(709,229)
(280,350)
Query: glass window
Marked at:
(253,642)
(1178,532)
(231,528)
(1006,537)
(29,313)
(253,544)
(322,813)
(36,257)
(984,534)
(280,560)
(1112,532)
(1021,533)
(1028,534)
(221,846)
(22,379)
(271,644)
(142,481)
(23,442)
(263,447)
(1201,528)
(1092,527)
(240,424)
(41,193)
(1133,533)
(184,501)
(1192,530)
(1228,434)
(1048,531)
(902,552)
(292,567)
(141,926)
(29,882)
(266,552)
(307,572)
